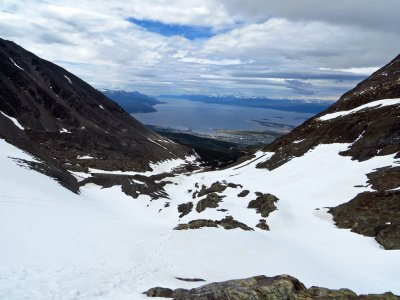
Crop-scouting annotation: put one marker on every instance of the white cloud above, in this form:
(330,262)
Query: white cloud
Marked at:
(95,40)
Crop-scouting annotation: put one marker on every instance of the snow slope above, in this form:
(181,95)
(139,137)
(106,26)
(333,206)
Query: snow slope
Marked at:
(103,244)
(370,105)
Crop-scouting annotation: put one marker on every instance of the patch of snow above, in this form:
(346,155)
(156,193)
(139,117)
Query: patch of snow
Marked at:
(154,142)
(102,244)
(371,105)
(298,141)
(63,130)
(256,160)
(69,80)
(15,64)
(14,120)
(101,106)
(166,166)
(358,138)
(84,157)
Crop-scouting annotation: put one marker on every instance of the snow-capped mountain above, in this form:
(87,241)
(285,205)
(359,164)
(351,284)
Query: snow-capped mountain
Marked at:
(273,213)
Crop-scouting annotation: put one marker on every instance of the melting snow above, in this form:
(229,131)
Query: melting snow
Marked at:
(154,142)
(298,141)
(14,120)
(63,130)
(371,105)
(69,80)
(15,64)
(85,157)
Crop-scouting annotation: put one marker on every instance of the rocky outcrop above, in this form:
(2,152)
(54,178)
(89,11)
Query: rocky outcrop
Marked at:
(190,279)
(196,224)
(185,208)
(283,287)
(53,170)
(375,214)
(211,201)
(227,223)
(230,223)
(264,204)
(262,224)
(243,193)
(384,179)
(216,187)
(131,185)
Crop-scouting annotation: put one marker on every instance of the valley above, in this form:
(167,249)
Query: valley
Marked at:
(206,201)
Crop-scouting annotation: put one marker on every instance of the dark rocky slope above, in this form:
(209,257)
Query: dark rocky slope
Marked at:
(63,118)
(372,131)
(281,287)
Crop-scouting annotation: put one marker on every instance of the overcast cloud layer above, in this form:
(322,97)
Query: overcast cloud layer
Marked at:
(271,48)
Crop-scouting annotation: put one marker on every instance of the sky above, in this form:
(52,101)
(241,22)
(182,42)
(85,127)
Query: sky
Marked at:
(268,48)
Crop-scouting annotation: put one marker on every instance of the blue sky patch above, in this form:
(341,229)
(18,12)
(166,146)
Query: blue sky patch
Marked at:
(189,32)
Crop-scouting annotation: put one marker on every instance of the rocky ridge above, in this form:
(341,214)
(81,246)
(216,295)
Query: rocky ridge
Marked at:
(371,132)
(366,118)
(283,287)
(57,117)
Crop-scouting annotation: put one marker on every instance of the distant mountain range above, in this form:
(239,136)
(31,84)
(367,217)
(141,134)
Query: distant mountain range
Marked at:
(132,102)
(136,102)
(313,106)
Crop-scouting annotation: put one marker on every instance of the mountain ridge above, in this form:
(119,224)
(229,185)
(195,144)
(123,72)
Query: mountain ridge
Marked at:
(361,128)
(62,117)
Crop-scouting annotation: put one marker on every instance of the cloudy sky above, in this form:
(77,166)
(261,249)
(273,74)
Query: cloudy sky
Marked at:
(271,48)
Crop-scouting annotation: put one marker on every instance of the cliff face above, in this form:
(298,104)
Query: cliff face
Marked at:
(50,112)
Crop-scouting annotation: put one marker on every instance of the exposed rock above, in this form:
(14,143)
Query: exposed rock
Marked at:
(263,225)
(234,185)
(230,223)
(264,204)
(160,292)
(210,201)
(185,208)
(216,187)
(324,293)
(130,184)
(52,170)
(389,237)
(283,287)
(243,193)
(190,279)
(385,178)
(227,223)
(222,209)
(375,214)
(196,224)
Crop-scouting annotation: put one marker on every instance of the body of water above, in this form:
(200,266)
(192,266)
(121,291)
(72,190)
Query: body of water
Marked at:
(206,117)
